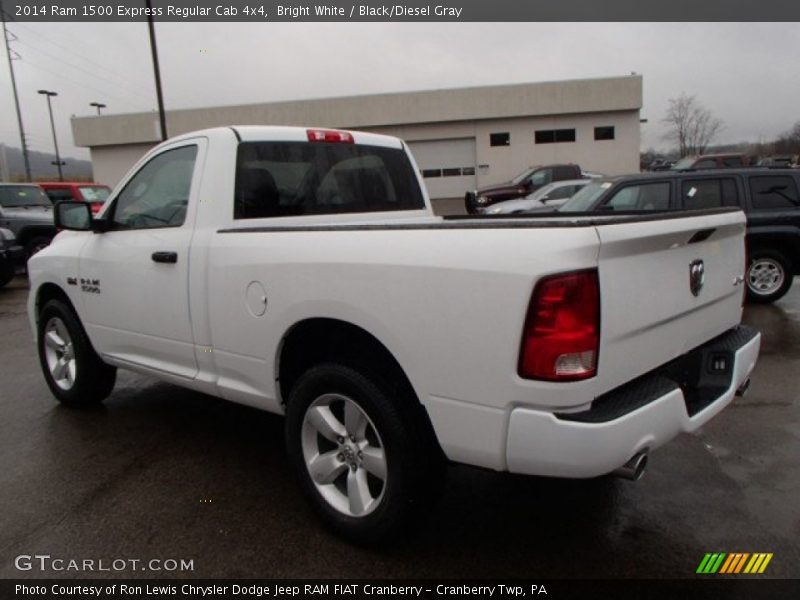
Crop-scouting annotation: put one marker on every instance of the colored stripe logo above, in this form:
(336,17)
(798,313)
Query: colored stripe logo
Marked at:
(734,563)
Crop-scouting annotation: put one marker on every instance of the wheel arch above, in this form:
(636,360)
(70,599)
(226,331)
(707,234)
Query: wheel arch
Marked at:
(317,340)
(26,234)
(321,339)
(787,245)
(51,291)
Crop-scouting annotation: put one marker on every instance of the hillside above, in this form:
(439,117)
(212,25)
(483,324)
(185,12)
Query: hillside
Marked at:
(41,167)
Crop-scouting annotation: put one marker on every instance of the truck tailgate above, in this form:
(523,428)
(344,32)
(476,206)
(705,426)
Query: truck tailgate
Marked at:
(650,311)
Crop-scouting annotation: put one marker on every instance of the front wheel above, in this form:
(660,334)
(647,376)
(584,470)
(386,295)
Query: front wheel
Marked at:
(769,276)
(358,452)
(74,373)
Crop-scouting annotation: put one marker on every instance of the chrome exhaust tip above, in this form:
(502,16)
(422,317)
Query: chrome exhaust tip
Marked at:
(743,388)
(634,468)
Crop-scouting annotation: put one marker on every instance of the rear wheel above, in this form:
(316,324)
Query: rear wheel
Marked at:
(769,276)
(71,367)
(358,451)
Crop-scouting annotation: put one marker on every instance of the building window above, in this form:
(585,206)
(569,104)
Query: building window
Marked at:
(552,136)
(604,133)
(499,139)
(428,173)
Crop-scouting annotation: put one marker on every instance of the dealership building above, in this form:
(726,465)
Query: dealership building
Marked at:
(461,138)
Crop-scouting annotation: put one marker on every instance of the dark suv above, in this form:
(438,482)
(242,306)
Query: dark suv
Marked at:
(769,197)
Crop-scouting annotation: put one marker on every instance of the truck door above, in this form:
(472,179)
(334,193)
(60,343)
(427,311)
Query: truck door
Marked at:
(135,275)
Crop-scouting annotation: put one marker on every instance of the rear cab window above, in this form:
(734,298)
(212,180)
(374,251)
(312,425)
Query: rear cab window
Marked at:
(279,179)
(773,191)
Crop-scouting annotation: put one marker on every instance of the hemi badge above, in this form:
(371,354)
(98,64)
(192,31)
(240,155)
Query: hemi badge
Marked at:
(72,281)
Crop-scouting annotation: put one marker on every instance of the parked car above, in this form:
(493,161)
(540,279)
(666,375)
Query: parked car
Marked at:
(775,161)
(769,197)
(318,284)
(552,196)
(12,256)
(712,161)
(660,164)
(93,193)
(27,211)
(527,182)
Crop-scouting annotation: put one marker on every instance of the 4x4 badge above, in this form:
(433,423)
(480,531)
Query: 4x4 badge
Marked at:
(697,276)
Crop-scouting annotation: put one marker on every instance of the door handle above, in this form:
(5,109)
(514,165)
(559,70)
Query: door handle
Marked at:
(165,257)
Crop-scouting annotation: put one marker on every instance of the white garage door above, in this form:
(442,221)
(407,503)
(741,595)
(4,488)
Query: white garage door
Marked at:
(448,166)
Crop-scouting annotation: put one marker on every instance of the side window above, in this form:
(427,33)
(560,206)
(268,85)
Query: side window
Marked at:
(158,195)
(647,196)
(565,191)
(733,162)
(540,178)
(708,193)
(706,163)
(773,192)
(566,173)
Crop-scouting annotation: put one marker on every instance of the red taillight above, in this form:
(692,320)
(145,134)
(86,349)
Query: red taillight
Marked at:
(562,330)
(329,135)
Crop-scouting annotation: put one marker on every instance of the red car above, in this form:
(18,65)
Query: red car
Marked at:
(93,193)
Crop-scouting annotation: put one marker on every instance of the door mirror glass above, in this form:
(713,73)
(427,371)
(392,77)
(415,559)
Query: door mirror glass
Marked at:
(75,216)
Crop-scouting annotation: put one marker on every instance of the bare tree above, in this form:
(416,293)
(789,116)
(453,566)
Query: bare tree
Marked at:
(789,142)
(690,124)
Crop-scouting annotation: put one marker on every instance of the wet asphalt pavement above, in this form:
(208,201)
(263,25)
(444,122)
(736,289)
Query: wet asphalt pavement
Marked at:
(161,472)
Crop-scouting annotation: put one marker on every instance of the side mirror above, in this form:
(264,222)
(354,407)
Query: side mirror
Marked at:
(73,215)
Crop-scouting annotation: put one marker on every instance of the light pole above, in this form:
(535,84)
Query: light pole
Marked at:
(97,105)
(58,162)
(156,71)
(22,140)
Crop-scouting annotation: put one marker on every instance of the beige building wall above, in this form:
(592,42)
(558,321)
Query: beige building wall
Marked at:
(110,163)
(118,141)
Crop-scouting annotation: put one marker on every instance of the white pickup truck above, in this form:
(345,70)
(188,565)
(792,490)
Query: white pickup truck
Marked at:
(301,271)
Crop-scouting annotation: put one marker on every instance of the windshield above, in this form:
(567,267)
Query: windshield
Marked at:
(684,163)
(522,176)
(94,193)
(585,198)
(23,195)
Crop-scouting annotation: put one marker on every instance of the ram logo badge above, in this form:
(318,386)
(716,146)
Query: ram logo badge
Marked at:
(697,276)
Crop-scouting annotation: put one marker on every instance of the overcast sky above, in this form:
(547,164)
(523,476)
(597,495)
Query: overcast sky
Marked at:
(746,73)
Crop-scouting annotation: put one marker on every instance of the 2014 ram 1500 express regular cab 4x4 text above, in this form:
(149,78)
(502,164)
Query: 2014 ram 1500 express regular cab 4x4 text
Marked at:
(301,271)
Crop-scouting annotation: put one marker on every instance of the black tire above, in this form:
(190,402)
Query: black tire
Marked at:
(414,465)
(92,380)
(36,243)
(769,276)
